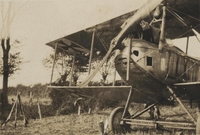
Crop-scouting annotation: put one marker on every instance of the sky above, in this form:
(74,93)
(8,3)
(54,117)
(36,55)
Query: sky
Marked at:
(38,22)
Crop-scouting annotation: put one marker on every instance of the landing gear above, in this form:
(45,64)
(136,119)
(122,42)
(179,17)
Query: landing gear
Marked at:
(115,122)
(154,112)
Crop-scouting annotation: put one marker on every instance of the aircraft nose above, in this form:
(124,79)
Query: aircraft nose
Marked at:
(122,60)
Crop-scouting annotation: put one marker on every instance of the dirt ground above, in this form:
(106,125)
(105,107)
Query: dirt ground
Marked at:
(88,124)
(74,124)
(58,125)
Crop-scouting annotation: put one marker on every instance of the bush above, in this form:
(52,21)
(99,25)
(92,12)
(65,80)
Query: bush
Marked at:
(62,101)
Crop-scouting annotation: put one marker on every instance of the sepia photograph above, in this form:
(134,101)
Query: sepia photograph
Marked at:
(100,67)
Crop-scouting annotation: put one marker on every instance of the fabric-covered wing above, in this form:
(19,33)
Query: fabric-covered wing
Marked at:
(104,33)
(114,93)
(70,45)
(188,10)
(190,90)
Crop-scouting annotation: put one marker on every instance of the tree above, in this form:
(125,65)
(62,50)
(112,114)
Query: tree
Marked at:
(8,65)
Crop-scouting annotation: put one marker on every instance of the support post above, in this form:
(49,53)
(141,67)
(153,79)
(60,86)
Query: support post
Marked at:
(79,109)
(179,101)
(16,110)
(186,51)
(127,102)
(114,77)
(15,107)
(39,110)
(72,71)
(11,112)
(162,28)
(91,52)
(54,61)
(143,111)
(128,58)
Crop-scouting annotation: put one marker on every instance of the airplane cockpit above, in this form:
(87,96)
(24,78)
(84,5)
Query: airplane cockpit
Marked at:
(148,32)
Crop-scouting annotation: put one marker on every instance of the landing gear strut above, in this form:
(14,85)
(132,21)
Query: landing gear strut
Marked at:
(116,121)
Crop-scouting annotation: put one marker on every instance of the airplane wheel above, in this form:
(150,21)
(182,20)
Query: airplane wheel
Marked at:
(114,121)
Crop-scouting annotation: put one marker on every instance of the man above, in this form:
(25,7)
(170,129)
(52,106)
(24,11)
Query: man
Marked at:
(147,31)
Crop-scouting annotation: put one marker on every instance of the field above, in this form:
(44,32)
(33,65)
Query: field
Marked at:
(88,124)
(71,125)
(58,125)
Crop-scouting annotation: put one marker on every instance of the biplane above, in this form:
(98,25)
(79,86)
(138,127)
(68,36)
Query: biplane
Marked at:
(155,71)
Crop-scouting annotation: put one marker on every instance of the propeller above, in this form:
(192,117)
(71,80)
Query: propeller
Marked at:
(131,23)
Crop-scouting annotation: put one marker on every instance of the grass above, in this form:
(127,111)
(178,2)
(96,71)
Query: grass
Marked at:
(73,124)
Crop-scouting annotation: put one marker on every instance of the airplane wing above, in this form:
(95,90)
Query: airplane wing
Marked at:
(110,93)
(116,93)
(68,45)
(189,12)
(190,90)
(106,31)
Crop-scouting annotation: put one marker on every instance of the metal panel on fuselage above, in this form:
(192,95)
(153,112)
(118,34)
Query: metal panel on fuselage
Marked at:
(170,65)
(152,69)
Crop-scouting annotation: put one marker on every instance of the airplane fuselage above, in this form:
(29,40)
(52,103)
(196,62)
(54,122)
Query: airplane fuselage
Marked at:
(151,69)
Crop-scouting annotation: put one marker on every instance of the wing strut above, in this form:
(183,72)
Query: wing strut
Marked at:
(179,101)
(89,78)
(162,28)
(143,12)
(197,35)
(54,61)
(91,52)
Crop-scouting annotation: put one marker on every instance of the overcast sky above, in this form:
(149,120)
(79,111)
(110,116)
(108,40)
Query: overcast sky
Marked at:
(40,21)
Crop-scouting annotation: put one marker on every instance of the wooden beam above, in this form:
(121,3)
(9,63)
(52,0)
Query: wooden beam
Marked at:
(179,101)
(91,52)
(162,29)
(72,71)
(128,58)
(54,61)
(186,51)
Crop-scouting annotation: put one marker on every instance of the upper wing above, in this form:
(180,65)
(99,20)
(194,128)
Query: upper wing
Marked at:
(104,33)
(190,90)
(67,44)
(188,10)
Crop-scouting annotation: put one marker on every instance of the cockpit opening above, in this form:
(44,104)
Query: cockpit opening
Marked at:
(147,32)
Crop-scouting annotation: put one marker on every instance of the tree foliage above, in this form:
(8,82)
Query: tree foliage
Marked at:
(8,65)
(14,62)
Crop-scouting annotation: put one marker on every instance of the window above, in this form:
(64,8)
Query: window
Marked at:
(149,61)
(135,52)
